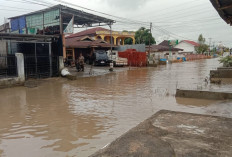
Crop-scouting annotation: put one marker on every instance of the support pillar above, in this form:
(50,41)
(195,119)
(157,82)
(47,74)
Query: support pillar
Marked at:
(64,46)
(20,66)
(115,40)
(133,41)
(73,54)
(61,63)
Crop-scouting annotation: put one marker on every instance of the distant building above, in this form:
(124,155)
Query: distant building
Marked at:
(187,46)
(5,28)
(118,37)
(84,45)
(159,51)
(164,43)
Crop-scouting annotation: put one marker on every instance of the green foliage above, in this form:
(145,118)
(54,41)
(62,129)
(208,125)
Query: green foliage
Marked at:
(201,39)
(202,46)
(143,35)
(227,61)
(128,41)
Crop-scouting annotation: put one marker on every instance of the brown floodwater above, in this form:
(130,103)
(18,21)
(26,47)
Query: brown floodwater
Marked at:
(64,118)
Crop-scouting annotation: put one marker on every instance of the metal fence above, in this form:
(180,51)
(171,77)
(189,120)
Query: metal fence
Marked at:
(41,66)
(8,66)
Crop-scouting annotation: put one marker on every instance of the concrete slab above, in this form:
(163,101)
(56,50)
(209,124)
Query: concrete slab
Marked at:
(221,73)
(174,134)
(199,94)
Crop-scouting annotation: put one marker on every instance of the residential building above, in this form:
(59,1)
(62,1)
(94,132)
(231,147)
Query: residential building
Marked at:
(162,52)
(5,28)
(84,45)
(118,37)
(57,20)
(187,46)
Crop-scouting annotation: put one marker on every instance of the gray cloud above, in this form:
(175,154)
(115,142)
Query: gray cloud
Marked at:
(126,4)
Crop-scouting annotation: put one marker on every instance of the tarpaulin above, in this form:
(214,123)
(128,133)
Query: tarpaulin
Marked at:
(22,22)
(18,24)
(14,25)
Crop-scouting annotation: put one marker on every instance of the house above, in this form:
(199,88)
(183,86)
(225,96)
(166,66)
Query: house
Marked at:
(162,52)
(187,46)
(5,28)
(164,43)
(40,37)
(84,45)
(57,20)
(118,37)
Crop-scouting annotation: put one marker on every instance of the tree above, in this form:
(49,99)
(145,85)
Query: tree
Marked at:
(143,35)
(128,41)
(202,46)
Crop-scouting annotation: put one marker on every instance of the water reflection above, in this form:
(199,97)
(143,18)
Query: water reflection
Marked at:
(34,119)
(76,118)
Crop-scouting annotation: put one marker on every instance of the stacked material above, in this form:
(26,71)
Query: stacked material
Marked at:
(135,58)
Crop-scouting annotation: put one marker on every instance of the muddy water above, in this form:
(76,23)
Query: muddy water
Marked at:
(76,118)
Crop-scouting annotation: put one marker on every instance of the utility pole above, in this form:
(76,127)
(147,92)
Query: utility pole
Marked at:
(209,45)
(150,43)
(214,48)
(110,25)
(111,42)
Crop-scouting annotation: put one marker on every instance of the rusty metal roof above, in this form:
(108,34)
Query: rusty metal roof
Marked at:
(82,17)
(224,9)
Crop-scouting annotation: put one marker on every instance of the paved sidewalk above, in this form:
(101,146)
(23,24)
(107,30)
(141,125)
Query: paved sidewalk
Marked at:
(174,134)
(95,71)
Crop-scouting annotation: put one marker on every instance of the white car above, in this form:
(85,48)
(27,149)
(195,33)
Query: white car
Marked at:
(118,61)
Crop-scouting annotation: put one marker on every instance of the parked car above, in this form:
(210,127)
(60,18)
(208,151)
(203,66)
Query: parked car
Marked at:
(118,61)
(101,57)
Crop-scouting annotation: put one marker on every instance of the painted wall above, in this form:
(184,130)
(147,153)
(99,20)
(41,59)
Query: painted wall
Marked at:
(138,47)
(186,47)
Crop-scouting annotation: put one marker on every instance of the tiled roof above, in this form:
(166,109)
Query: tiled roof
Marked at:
(191,42)
(87,32)
(164,43)
(85,42)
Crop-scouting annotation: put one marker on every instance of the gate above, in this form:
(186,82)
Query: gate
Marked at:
(41,66)
(8,66)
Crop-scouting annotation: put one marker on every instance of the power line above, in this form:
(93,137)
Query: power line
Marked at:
(29,2)
(175,6)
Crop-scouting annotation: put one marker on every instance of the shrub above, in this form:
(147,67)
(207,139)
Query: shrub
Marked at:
(227,61)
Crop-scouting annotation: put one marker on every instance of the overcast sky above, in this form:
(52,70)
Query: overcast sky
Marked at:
(179,19)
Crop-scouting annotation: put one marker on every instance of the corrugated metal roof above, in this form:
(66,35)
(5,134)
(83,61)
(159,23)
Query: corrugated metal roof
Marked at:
(83,17)
(224,9)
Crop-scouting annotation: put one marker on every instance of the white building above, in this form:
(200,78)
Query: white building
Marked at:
(187,46)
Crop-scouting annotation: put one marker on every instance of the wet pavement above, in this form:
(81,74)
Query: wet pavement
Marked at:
(91,71)
(174,134)
(76,118)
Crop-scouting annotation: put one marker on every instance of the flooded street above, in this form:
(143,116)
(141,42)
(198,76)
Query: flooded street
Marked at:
(77,118)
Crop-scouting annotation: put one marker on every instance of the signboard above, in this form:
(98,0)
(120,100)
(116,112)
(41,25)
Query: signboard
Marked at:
(173,42)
